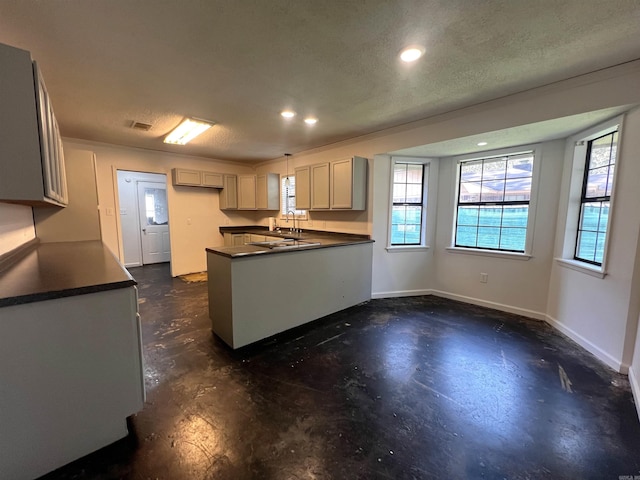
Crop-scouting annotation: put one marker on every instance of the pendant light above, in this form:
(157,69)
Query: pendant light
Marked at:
(287,182)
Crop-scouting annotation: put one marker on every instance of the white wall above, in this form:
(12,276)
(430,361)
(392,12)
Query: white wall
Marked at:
(514,284)
(601,313)
(16,226)
(194,213)
(128,212)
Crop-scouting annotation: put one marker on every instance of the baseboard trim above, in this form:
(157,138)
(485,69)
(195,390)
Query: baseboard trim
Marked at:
(402,293)
(495,305)
(588,345)
(635,389)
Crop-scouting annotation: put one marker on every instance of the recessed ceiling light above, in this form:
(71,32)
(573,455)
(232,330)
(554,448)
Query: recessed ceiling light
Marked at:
(288,114)
(189,129)
(310,121)
(482,144)
(411,53)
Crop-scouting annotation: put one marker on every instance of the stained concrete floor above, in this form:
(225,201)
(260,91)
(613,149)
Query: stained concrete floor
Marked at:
(409,388)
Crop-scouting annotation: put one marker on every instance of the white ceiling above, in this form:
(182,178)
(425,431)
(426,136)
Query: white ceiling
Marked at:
(240,62)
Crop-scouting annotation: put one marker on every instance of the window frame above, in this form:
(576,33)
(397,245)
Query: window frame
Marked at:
(536,152)
(429,194)
(298,214)
(577,163)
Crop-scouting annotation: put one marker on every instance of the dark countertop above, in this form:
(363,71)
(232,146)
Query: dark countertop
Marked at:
(55,270)
(322,239)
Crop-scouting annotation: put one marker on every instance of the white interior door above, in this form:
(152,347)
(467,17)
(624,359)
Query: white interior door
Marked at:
(154,222)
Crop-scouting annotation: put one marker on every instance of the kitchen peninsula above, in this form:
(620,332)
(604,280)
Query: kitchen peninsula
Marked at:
(262,288)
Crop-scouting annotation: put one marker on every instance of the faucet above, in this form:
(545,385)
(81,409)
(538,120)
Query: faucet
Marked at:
(293,215)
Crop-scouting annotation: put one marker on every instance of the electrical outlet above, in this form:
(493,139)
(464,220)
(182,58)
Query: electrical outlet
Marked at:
(484,277)
(309,223)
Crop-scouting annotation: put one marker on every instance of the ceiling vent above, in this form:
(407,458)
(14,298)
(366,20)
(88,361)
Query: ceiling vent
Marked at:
(145,127)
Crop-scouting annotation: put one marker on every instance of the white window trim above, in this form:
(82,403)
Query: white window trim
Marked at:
(429,198)
(533,201)
(283,216)
(577,150)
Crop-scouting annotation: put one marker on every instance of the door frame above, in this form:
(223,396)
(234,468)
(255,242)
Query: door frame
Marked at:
(141,209)
(119,227)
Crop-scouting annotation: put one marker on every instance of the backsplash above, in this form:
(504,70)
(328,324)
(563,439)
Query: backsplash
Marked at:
(16,226)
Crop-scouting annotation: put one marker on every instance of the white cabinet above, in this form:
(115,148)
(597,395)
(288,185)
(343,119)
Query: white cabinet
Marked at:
(349,184)
(303,188)
(31,154)
(196,178)
(320,186)
(268,191)
(229,193)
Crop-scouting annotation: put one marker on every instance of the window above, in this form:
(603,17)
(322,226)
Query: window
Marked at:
(596,198)
(493,202)
(288,198)
(407,211)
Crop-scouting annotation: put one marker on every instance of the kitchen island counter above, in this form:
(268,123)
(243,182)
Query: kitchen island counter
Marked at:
(256,292)
(309,239)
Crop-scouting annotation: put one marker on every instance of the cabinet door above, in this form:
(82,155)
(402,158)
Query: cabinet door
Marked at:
(246,192)
(320,186)
(303,188)
(180,176)
(268,191)
(213,180)
(261,192)
(229,193)
(341,183)
(238,239)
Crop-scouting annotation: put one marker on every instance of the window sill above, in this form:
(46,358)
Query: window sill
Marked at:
(490,253)
(594,271)
(408,248)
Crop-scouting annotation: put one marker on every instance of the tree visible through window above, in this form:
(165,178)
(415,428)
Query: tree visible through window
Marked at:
(406,213)
(596,198)
(493,202)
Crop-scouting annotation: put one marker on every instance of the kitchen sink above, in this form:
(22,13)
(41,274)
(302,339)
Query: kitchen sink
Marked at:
(285,243)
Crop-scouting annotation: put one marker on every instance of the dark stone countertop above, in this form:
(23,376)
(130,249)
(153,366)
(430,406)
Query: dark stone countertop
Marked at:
(320,239)
(55,270)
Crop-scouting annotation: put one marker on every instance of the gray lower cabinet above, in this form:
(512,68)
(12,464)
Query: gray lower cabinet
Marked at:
(73,373)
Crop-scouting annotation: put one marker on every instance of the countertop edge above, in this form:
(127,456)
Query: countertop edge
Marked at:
(26,263)
(69,292)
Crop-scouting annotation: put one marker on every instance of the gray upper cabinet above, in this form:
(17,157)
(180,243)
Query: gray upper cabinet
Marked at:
(246,192)
(320,186)
(229,193)
(196,178)
(337,185)
(349,184)
(29,136)
(268,191)
(251,192)
(303,188)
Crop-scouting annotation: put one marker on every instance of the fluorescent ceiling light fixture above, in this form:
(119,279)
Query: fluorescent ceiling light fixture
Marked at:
(482,144)
(411,53)
(288,114)
(189,129)
(310,121)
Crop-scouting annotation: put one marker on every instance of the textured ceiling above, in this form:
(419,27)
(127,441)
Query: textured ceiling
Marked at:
(240,62)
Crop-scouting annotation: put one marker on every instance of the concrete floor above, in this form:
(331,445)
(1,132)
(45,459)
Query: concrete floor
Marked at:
(409,388)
